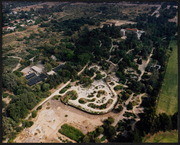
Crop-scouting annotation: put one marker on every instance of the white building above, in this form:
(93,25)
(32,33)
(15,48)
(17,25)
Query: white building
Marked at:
(37,69)
(131,30)
(53,57)
(51,72)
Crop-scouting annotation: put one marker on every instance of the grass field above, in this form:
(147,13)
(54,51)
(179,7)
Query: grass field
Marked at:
(162,137)
(168,101)
(71,132)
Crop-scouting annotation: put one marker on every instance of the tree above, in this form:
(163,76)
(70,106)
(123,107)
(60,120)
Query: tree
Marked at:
(84,58)
(9,81)
(165,122)
(100,130)
(109,120)
(86,139)
(111,132)
(119,109)
(45,87)
(8,127)
(26,123)
(86,81)
(98,76)
(34,114)
(97,140)
(48,67)
(129,106)
(174,119)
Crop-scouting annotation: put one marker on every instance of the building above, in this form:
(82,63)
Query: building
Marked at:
(53,57)
(30,75)
(51,72)
(34,79)
(131,30)
(58,68)
(37,70)
(123,32)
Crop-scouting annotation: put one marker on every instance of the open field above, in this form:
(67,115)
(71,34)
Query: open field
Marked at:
(162,137)
(168,101)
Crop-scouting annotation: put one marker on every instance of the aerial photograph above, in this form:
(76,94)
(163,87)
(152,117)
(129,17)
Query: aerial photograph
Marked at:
(89,72)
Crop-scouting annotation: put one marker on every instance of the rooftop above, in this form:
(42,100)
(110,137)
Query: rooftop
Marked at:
(131,29)
(36,69)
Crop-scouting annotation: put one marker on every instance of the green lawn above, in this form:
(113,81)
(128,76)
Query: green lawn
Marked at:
(162,137)
(71,132)
(168,101)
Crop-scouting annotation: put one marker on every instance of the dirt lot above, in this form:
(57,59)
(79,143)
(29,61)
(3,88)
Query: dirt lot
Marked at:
(52,116)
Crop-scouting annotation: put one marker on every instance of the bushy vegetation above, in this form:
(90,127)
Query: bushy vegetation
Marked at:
(103,106)
(118,87)
(71,95)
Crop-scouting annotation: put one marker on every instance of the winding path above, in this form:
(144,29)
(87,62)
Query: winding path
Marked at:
(18,65)
(142,67)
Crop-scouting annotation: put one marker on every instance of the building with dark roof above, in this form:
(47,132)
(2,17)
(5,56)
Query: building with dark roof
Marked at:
(30,76)
(58,68)
(36,79)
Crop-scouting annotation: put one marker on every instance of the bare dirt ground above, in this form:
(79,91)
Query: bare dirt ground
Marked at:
(144,64)
(175,19)
(54,114)
(118,22)
(27,8)
(6,100)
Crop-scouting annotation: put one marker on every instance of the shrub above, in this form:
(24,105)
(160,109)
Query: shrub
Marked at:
(18,129)
(34,113)
(5,95)
(39,108)
(119,109)
(64,89)
(129,106)
(71,95)
(118,87)
(82,101)
(26,123)
(98,76)
(56,97)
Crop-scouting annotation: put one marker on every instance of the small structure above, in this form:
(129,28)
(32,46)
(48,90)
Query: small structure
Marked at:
(51,72)
(123,32)
(156,66)
(53,57)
